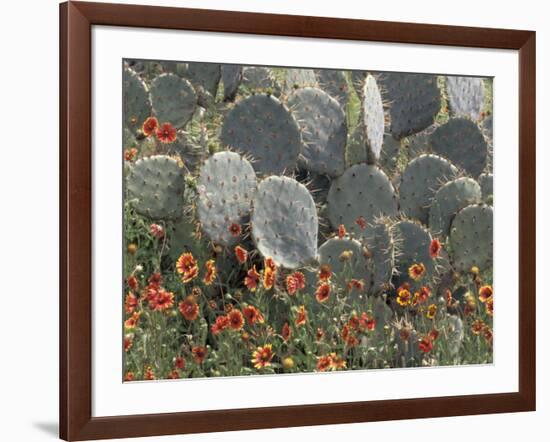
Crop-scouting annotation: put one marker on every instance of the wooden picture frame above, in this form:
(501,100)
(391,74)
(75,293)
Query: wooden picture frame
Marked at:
(76,21)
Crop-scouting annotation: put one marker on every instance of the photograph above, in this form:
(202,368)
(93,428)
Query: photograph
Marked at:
(284,220)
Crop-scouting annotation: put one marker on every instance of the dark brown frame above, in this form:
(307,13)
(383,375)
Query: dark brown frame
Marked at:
(76,20)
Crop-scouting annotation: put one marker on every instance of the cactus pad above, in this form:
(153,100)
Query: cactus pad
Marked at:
(471,238)
(324,130)
(260,79)
(298,78)
(231,78)
(381,250)
(466,96)
(284,222)
(356,267)
(204,75)
(156,184)
(373,116)
(226,186)
(262,127)
(419,182)
(173,98)
(460,141)
(485,181)
(137,106)
(334,83)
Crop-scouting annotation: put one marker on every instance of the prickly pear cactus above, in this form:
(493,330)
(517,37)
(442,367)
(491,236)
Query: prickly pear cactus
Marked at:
(466,96)
(297,78)
(412,247)
(226,186)
(460,141)
(389,156)
(414,100)
(356,148)
(137,106)
(324,130)
(317,184)
(362,193)
(357,79)
(373,116)
(156,185)
(471,238)
(231,75)
(380,246)
(164,90)
(354,266)
(181,239)
(284,222)
(449,199)
(260,79)
(334,83)
(204,75)
(419,182)
(262,127)
(485,181)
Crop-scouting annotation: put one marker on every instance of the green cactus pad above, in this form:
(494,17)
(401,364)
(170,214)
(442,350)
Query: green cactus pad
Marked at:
(204,75)
(298,78)
(343,270)
(356,148)
(419,182)
(389,155)
(226,186)
(412,247)
(334,83)
(231,78)
(471,238)
(373,116)
(262,127)
(357,80)
(449,199)
(181,239)
(137,106)
(381,250)
(156,185)
(324,130)
(485,181)
(260,79)
(361,191)
(414,101)
(173,98)
(284,222)
(466,96)
(460,141)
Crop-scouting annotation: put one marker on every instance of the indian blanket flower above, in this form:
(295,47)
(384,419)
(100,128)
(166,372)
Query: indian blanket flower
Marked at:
(361,222)
(187,267)
(323,292)
(357,284)
(301,316)
(211,272)
(488,335)
(348,336)
(336,362)
(423,294)
(150,126)
(222,322)
(189,308)
(435,248)
(130,302)
(129,376)
(166,133)
(270,272)
(132,321)
(485,292)
(426,344)
(367,321)
(262,356)
(173,374)
(477,326)
(489,306)
(285,332)
(162,301)
(416,271)
(179,363)
(199,354)
(403,297)
(156,230)
(235,229)
(149,374)
(251,279)
(155,280)
(324,363)
(241,254)
(291,285)
(325,272)
(236,319)
(132,282)
(432,310)
(128,341)
(252,315)
(130,154)
(341,231)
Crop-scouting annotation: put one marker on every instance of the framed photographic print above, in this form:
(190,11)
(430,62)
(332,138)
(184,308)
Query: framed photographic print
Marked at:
(273,220)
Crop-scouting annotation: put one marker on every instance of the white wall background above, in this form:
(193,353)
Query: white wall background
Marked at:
(29,220)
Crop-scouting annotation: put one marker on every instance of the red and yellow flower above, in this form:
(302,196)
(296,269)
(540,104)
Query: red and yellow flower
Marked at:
(417,271)
(435,248)
(251,279)
(130,302)
(187,267)
(485,292)
(323,292)
(163,300)
(222,322)
(189,308)
(211,272)
(270,272)
(325,272)
(262,356)
(166,133)
(236,319)
(132,321)
(403,297)
(241,254)
(301,316)
(150,126)
(252,315)
(199,354)
(426,344)
(432,310)
(286,332)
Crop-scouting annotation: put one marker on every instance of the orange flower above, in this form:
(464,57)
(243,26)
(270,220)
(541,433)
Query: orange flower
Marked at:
(285,332)
(179,363)
(156,230)
(367,321)
(325,272)
(130,154)
(211,272)
(488,335)
(416,271)
(187,266)
(301,316)
(300,280)
(155,280)
(291,285)
(270,272)
(251,279)
(432,310)
(132,282)
(449,297)
(162,301)
(150,125)
(323,292)
(262,357)
(129,376)
(477,326)
(435,248)
(485,292)
(235,229)
(426,344)
(357,284)
(341,231)
(349,338)
(132,321)
(166,133)
(336,362)
(222,322)
(236,320)
(361,222)
(173,374)
(149,374)
(130,303)
(241,254)
(489,306)
(403,297)
(252,315)
(128,343)
(189,308)
(199,354)
(324,363)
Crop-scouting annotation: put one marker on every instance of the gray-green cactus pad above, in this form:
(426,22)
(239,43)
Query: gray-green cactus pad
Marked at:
(204,75)
(389,155)
(373,116)
(231,78)
(137,106)
(356,148)
(260,79)
(414,101)
(381,249)
(466,96)
(485,181)
(262,127)
(297,78)
(156,185)
(173,98)
(356,267)
(226,186)
(361,191)
(181,239)
(412,247)
(449,199)
(460,141)
(324,130)
(284,222)
(420,180)
(471,238)
(334,83)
